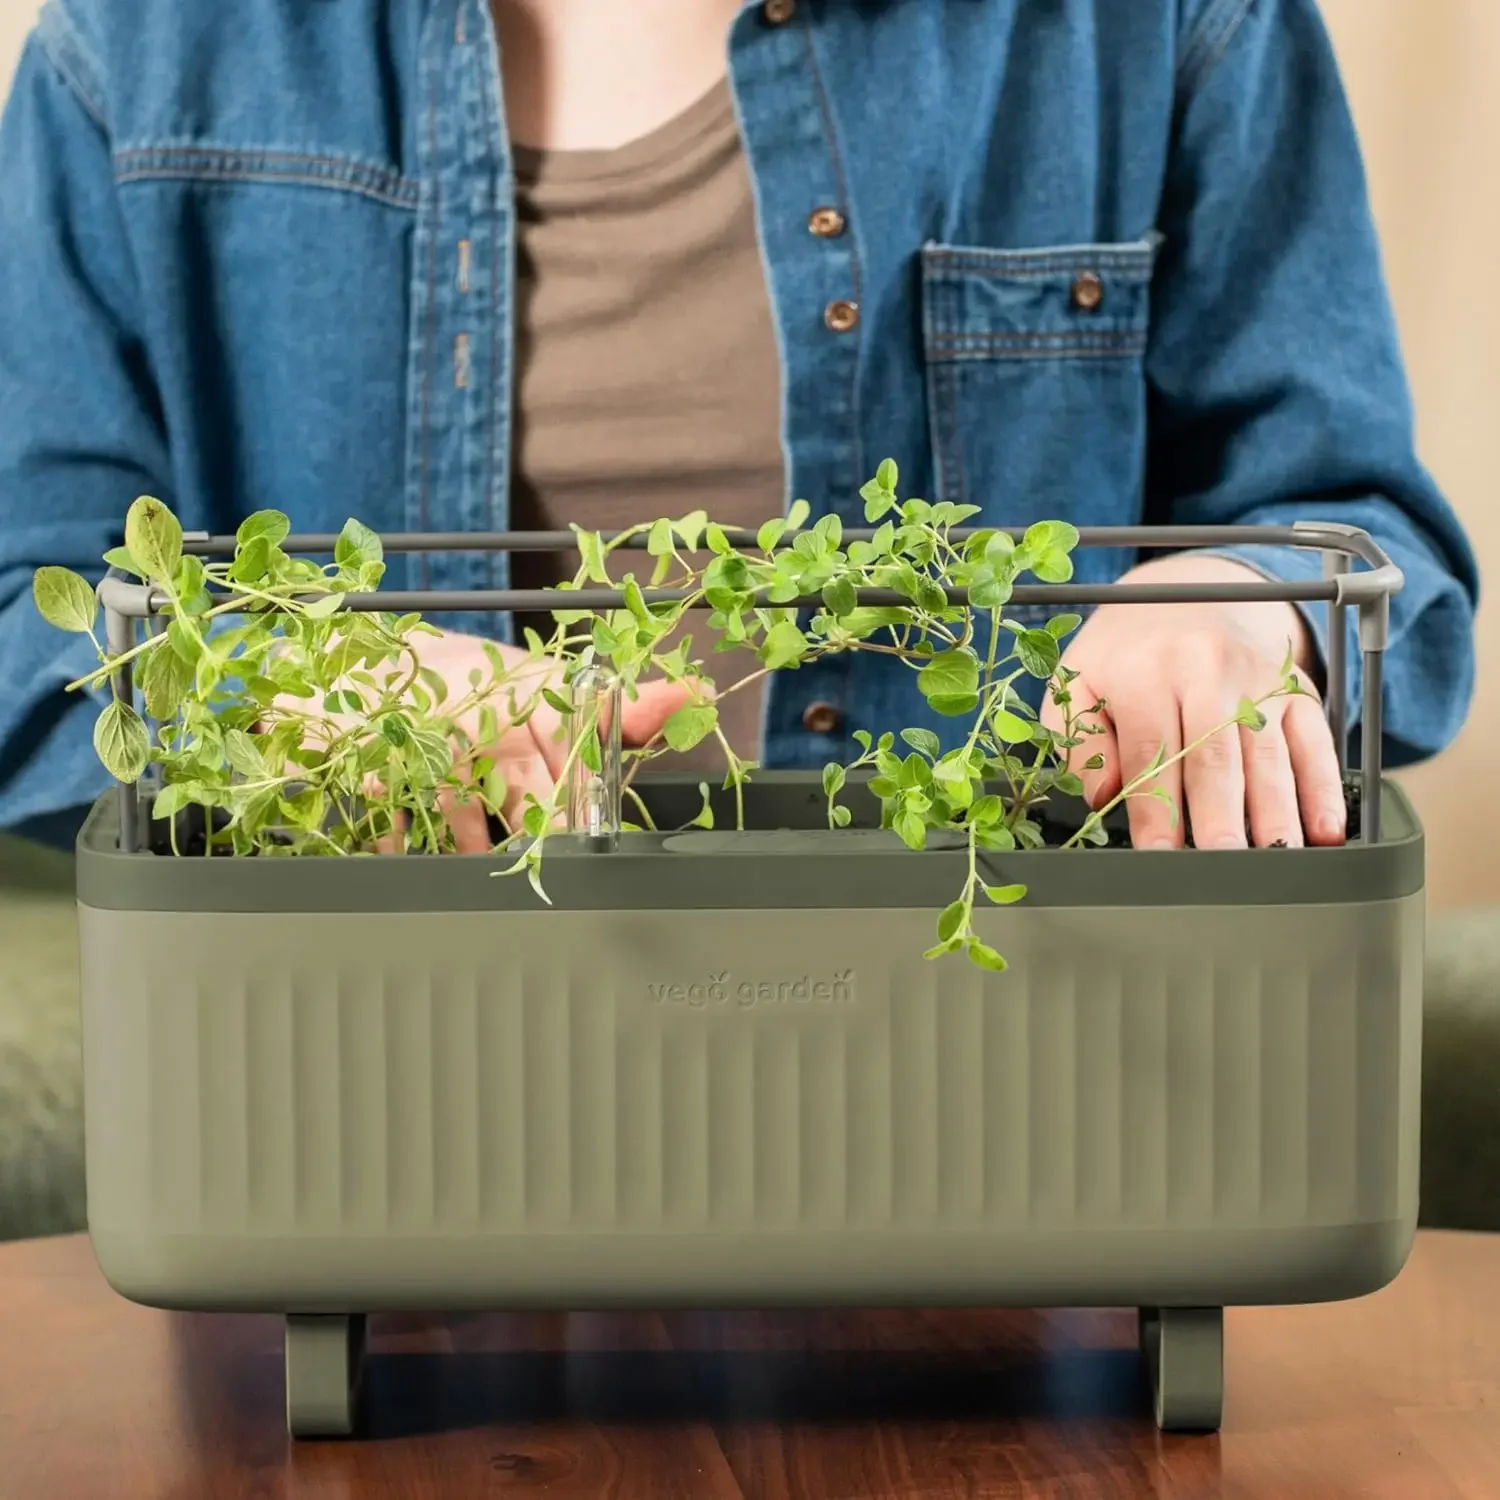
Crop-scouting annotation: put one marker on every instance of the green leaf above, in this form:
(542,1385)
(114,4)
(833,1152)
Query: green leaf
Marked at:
(910,829)
(635,601)
(842,817)
(690,725)
(987,811)
(555,700)
(1003,895)
(65,599)
(840,597)
(987,590)
(1050,536)
(952,919)
(591,553)
(914,772)
(771,533)
(251,561)
(395,730)
(1038,652)
(1250,716)
(270,525)
(1053,567)
(120,557)
(154,537)
(884,786)
(954,706)
(324,606)
(784,645)
(950,674)
(705,818)
(999,550)
(796,516)
(691,527)
(887,476)
(1060,625)
(244,755)
(1163,795)
(985,957)
(833,779)
(121,741)
(356,546)
(659,539)
(1011,728)
(924,740)
(878,500)
(165,681)
(717,541)
(937,951)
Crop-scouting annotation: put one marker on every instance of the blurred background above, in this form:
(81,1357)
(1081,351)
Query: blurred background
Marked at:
(1422,76)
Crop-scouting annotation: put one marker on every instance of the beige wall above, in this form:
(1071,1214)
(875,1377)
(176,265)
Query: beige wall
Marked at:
(16,17)
(1422,77)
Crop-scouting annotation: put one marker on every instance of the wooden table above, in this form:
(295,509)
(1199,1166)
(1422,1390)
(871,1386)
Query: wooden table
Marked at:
(1394,1397)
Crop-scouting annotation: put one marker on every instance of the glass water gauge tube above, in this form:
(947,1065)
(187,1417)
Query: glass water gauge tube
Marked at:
(594,793)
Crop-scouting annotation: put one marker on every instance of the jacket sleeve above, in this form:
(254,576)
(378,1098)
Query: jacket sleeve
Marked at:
(80,430)
(1276,386)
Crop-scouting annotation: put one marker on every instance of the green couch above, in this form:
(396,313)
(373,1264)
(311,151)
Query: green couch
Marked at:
(41,1157)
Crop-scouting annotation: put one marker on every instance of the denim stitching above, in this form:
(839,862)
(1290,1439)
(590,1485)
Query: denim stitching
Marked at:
(288,178)
(826,110)
(1134,265)
(65,49)
(1040,338)
(946,382)
(975,352)
(424,462)
(1211,40)
(221,164)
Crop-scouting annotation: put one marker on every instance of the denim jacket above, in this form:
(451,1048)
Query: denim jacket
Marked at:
(229,277)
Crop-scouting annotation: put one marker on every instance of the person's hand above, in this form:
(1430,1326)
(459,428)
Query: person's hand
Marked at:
(530,756)
(1170,674)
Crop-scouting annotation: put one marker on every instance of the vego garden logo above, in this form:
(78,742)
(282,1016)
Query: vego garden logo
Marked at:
(727,990)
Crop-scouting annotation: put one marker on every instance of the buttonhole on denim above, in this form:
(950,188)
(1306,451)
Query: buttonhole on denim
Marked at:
(465,262)
(461,361)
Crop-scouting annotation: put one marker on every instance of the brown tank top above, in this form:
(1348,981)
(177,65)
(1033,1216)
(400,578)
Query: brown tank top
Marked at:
(647,382)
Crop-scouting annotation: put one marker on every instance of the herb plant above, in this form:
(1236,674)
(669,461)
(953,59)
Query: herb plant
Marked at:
(312,729)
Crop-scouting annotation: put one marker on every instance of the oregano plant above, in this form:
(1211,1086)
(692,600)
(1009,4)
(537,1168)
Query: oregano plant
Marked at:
(300,727)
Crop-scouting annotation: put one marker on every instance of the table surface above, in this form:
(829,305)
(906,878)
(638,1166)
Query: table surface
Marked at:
(1391,1397)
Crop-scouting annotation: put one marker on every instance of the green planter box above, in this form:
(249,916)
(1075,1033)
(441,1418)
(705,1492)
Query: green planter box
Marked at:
(717,1070)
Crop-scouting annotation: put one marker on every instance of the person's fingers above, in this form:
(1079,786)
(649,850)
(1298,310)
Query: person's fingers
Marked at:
(470,828)
(1315,769)
(1102,782)
(1213,775)
(1145,727)
(526,774)
(1270,784)
(641,719)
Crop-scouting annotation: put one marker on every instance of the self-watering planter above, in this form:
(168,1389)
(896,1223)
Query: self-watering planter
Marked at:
(717,1070)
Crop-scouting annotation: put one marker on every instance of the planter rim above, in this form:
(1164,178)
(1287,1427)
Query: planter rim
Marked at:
(709,871)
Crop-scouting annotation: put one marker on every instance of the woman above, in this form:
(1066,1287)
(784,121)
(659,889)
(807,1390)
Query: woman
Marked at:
(445,267)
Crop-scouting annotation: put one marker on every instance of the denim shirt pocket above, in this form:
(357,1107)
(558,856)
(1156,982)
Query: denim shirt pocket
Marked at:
(1035,381)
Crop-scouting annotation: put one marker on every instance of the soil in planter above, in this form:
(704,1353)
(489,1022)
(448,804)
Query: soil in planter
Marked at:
(674,801)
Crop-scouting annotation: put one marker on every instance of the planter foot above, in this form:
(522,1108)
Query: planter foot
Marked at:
(324,1361)
(1183,1348)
